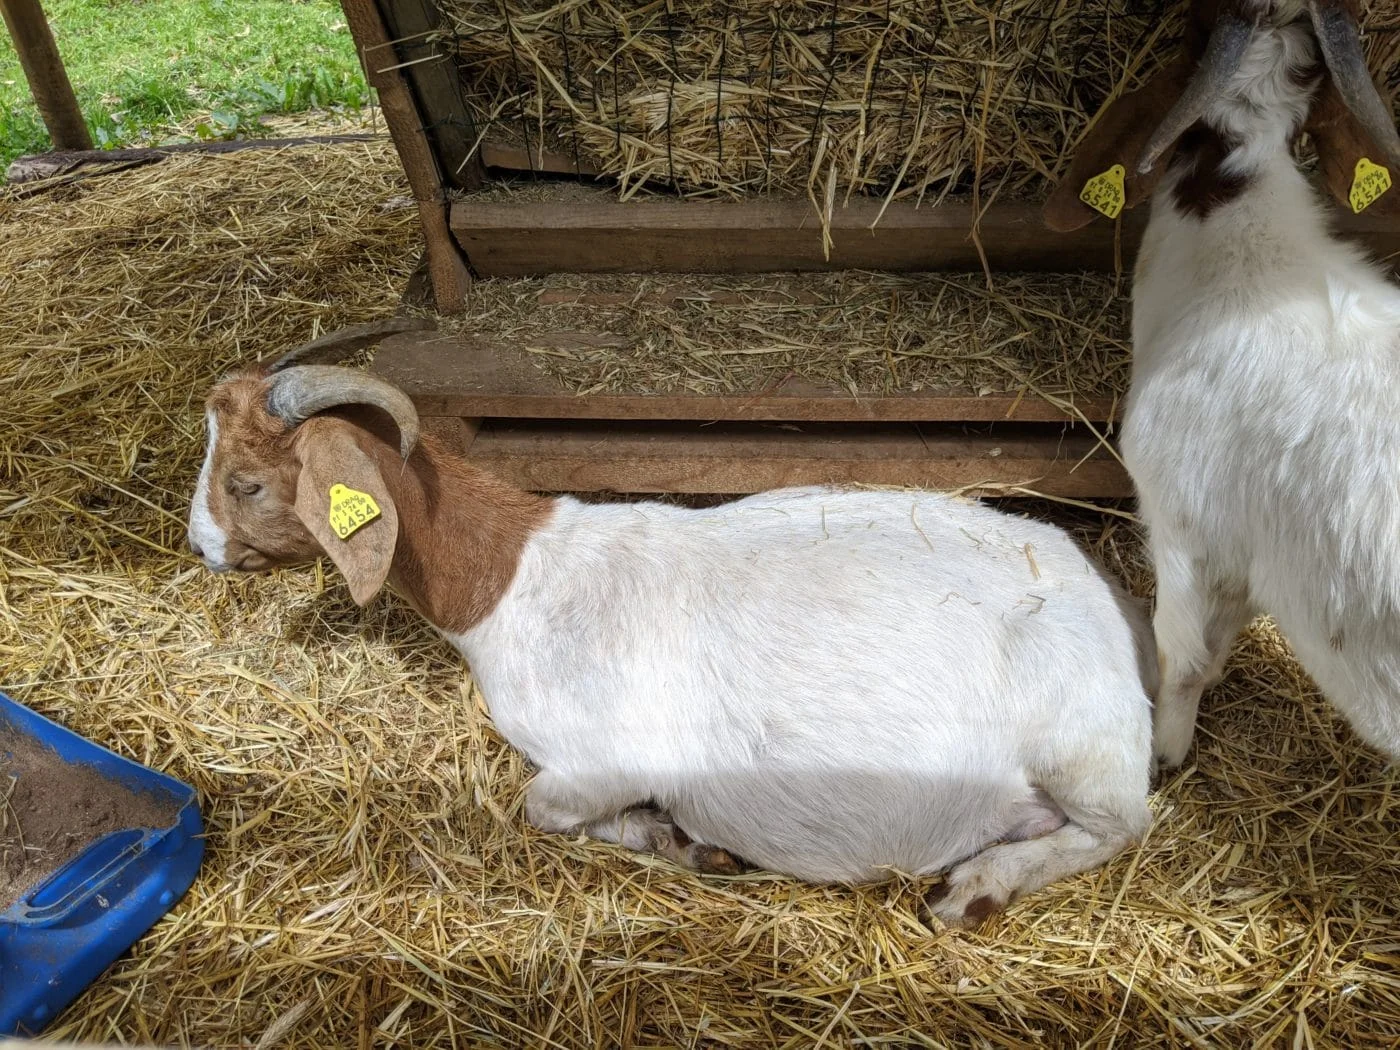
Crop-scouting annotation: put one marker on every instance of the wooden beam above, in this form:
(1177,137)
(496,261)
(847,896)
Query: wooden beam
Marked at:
(431,74)
(593,232)
(43,69)
(591,457)
(518,159)
(36,166)
(475,375)
(446,264)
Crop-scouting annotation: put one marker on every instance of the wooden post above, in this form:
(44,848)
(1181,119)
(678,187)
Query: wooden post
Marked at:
(432,78)
(446,263)
(38,55)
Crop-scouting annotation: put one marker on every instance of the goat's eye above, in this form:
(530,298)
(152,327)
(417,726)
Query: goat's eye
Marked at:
(242,487)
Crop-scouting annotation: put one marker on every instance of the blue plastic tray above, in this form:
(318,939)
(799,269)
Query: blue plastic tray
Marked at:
(64,932)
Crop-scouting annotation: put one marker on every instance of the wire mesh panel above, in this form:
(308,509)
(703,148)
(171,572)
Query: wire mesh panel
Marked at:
(822,98)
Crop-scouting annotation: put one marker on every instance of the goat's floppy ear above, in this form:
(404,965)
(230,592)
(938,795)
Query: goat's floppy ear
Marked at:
(1109,154)
(342,500)
(1353,165)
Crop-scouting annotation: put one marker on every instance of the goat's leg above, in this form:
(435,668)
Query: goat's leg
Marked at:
(987,882)
(650,830)
(1076,829)
(554,805)
(1196,620)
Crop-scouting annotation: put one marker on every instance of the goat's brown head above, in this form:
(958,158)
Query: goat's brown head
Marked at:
(264,499)
(1141,130)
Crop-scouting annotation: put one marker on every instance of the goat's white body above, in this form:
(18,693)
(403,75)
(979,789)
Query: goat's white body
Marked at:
(828,683)
(1263,430)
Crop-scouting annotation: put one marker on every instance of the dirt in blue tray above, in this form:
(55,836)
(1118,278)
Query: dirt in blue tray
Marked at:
(51,810)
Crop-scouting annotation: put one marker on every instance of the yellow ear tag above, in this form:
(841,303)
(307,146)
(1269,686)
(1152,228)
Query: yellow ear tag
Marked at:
(1104,192)
(351,510)
(1370,182)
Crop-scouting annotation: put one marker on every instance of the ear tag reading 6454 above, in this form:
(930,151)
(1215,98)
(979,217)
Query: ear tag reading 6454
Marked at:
(1104,192)
(1370,181)
(351,510)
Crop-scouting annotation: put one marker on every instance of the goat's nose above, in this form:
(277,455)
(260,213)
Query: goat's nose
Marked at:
(198,553)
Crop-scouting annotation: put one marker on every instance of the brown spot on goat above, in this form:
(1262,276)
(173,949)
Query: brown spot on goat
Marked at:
(1205,187)
(461,535)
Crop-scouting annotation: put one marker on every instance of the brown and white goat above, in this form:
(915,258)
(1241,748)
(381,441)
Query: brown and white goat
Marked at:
(1263,425)
(827,683)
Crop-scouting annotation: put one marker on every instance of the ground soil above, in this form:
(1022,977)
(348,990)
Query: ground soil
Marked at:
(50,811)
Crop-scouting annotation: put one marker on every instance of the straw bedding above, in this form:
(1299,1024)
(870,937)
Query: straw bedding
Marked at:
(369,880)
(817,98)
(1064,336)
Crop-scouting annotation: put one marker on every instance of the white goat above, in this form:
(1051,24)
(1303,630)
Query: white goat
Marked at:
(1263,426)
(825,683)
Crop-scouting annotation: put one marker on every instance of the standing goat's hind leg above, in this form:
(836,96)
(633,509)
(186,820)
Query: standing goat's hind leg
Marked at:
(1195,622)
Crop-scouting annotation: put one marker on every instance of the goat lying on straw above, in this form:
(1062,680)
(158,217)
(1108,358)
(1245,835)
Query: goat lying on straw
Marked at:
(826,683)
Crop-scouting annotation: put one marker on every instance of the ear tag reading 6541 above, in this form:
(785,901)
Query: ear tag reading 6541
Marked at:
(1104,192)
(1370,181)
(351,510)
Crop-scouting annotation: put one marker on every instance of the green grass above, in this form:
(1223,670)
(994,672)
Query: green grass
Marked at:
(139,67)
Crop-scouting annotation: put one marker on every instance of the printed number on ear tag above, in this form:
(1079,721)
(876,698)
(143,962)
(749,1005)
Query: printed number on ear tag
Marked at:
(1370,182)
(1104,192)
(351,510)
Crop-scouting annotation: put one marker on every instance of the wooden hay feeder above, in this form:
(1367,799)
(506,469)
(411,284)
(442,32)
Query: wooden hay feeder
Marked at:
(550,144)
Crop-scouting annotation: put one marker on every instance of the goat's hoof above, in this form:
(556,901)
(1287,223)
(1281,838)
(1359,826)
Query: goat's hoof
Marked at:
(711,860)
(1163,769)
(950,905)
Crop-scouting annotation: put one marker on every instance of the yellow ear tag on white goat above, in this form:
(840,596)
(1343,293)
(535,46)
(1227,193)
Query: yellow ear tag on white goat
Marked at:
(351,510)
(1104,192)
(1370,182)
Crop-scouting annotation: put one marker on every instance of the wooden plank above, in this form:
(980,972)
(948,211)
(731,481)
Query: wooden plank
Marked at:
(432,78)
(60,162)
(737,458)
(593,232)
(519,159)
(43,69)
(472,375)
(446,264)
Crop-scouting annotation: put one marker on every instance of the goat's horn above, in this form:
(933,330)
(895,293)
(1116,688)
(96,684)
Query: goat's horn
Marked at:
(338,345)
(1224,51)
(1340,38)
(299,393)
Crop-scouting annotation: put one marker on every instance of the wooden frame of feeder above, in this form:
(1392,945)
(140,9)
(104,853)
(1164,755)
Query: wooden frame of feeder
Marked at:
(528,428)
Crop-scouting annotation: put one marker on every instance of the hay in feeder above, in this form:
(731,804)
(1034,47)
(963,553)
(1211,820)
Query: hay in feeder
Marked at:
(1063,336)
(369,880)
(816,98)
